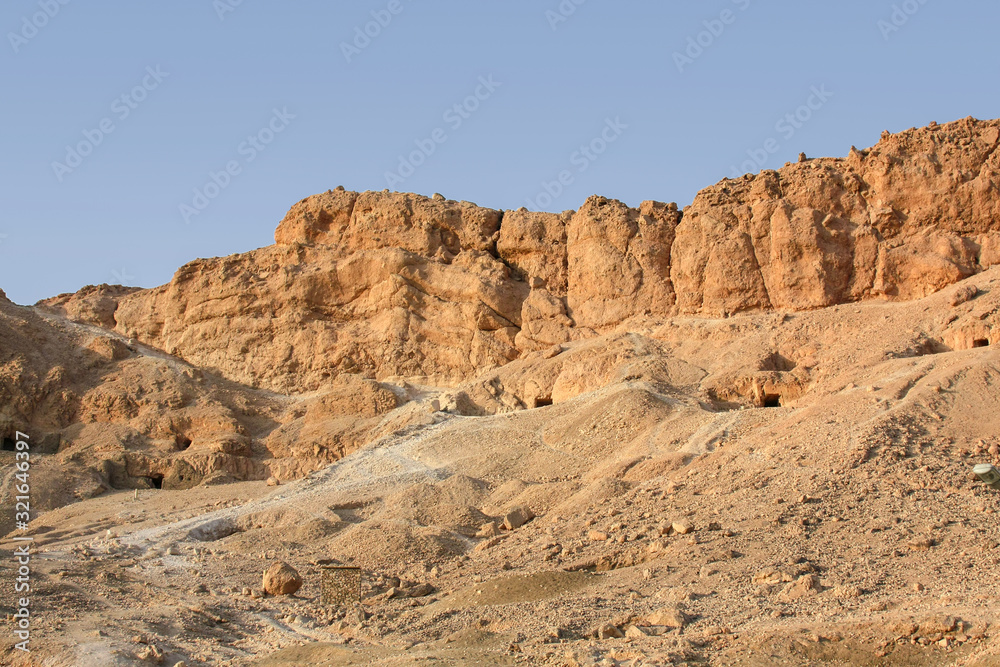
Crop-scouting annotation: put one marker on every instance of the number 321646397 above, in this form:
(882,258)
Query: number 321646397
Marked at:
(22,464)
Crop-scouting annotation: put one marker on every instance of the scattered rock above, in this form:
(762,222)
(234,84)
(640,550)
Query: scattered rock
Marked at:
(417,590)
(517,518)
(806,585)
(608,631)
(682,527)
(490,529)
(669,617)
(963,294)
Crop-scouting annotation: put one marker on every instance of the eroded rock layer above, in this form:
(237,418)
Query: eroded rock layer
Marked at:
(387,284)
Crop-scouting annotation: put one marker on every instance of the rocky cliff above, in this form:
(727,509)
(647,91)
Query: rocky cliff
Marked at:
(367,301)
(388,285)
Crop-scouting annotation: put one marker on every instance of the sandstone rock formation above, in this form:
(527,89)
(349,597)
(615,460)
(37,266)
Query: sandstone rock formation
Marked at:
(396,285)
(94,304)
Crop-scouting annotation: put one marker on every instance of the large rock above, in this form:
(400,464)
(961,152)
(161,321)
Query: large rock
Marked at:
(619,262)
(669,617)
(370,220)
(534,246)
(93,304)
(281,579)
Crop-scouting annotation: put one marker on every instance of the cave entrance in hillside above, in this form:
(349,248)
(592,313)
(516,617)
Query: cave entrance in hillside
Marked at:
(981,342)
(182,442)
(542,402)
(9,445)
(156,480)
(771,401)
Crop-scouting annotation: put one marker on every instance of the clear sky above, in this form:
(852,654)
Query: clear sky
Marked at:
(117,114)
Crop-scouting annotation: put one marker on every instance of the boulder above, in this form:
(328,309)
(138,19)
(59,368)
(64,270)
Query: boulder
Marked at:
(281,579)
(668,617)
(517,517)
(608,631)
(804,586)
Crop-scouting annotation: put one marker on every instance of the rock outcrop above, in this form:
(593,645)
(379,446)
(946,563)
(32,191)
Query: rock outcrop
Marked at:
(94,304)
(915,213)
(374,284)
(387,285)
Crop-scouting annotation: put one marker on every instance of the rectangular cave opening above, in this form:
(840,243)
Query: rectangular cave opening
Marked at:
(157,481)
(9,445)
(542,402)
(981,342)
(772,400)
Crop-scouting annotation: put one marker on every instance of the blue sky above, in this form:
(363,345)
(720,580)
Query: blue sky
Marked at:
(222,113)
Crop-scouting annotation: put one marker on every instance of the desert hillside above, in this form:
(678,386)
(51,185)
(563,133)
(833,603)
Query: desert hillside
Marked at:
(737,433)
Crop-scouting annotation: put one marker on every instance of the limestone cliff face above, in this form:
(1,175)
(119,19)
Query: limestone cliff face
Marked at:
(385,284)
(915,213)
